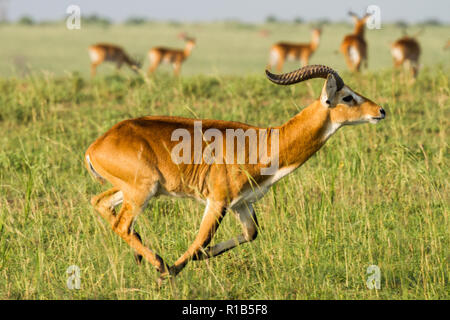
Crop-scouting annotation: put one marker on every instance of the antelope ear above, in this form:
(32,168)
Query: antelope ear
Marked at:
(366,16)
(328,95)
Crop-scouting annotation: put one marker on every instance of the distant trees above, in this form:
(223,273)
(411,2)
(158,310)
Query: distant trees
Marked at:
(26,21)
(135,20)
(96,19)
(296,20)
(431,22)
(271,19)
(401,24)
(88,19)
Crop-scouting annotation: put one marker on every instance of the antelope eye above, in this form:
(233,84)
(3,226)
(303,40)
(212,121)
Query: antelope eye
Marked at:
(347,98)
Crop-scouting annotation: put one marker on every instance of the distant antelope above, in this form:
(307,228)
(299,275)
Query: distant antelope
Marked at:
(282,51)
(137,157)
(447,45)
(354,46)
(176,57)
(182,35)
(264,33)
(101,52)
(406,50)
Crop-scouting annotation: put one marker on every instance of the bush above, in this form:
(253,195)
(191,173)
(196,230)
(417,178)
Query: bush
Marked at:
(271,19)
(95,19)
(431,22)
(401,24)
(323,21)
(298,20)
(26,21)
(135,21)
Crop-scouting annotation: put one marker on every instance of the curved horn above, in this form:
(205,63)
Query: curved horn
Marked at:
(305,73)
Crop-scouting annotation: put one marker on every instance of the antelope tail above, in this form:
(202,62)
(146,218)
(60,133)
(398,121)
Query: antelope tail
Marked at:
(93,172)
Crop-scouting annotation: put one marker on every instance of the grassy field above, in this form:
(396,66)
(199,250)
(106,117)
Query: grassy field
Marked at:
(222,48)
(374,195)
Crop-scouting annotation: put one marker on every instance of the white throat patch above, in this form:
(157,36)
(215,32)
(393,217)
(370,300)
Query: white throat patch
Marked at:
(330,130)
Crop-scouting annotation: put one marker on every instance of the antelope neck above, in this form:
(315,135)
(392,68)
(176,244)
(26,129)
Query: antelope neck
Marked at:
(305,134)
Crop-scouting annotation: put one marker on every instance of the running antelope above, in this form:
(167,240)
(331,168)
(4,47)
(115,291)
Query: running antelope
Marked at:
(406,51)
(136,157)
(282,51)
(107,52)
(176,57)
(354,46)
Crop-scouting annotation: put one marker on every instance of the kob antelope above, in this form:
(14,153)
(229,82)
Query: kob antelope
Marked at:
(406,51)
(447,45)
(101,52)
(282,51)
(354,46)
(136,157)
(175,57)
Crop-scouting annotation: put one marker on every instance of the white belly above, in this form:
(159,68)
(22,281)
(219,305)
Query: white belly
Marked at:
(255,193)
(250,196)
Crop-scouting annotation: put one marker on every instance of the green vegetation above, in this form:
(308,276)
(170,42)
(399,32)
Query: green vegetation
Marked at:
(374,195)
(231,47)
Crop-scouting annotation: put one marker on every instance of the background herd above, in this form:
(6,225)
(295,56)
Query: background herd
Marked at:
(405,51)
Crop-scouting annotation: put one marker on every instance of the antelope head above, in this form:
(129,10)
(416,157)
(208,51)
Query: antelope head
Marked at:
(190,42)
(345,106)
(359,22)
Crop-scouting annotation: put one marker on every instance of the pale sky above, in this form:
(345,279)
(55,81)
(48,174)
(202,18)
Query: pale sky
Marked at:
(244,10)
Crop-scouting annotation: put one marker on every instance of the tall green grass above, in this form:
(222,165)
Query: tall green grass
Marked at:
(374,195)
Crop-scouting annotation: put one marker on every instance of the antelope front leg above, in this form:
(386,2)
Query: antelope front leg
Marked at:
(94,69)
(280,64)
(176,68)
(246,215)
(349,62)
(214,212)
(153,66)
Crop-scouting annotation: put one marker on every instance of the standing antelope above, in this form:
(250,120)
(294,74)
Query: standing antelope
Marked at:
(176,57)
(447,45)
(136,157)
(282,51)
(354,46)
(107,52)
(406,50)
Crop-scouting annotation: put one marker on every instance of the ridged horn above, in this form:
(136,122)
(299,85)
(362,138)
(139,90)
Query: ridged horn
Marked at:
(305,73)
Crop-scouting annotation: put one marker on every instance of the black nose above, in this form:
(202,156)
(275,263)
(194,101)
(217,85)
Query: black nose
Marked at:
(383,113)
